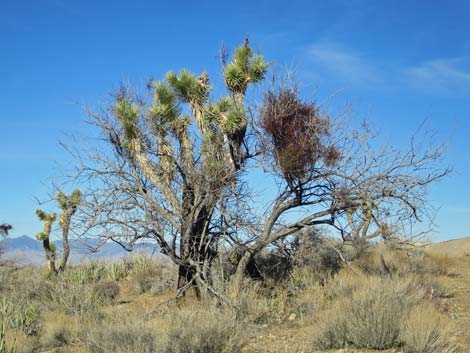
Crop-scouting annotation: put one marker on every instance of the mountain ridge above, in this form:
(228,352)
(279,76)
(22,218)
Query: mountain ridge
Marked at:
(25,250)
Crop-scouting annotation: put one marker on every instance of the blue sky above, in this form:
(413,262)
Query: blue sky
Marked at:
(395,63)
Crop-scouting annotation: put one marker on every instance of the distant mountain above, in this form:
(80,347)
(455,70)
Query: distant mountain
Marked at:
(22,243)
(26,250)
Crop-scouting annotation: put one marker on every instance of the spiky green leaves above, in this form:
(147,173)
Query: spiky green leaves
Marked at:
(165,107)
(41,236)
(226,115)
(234,120)
(127,114)
(244,69)
(257,69)
(188,88)
(46,217)
(69,201)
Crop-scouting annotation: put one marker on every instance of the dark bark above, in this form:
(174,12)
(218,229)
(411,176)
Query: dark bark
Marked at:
(50,255)
(66,250)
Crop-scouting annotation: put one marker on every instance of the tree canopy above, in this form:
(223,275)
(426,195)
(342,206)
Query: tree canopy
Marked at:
(171,167)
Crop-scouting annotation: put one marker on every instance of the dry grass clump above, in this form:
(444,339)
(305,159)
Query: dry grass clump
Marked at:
(370,317)
(152,280)
(204,329)
(438,264)
(305,292)
(17,341)
(59,330)
(106,292)
(197,329)
(70,298)
(391,260)
(386,260)
(318,253)
(120,334)
(424,330)
(258,304)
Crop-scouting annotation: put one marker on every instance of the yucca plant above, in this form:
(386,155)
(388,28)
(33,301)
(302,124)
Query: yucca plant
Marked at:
(188,147)
(3,328)
(68,204)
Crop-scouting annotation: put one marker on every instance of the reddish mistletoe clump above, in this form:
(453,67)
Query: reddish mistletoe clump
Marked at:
(297,131)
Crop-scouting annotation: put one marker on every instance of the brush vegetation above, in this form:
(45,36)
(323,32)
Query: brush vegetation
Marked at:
(128,307)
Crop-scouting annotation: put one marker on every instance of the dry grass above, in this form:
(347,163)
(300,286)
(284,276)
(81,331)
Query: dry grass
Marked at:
(373,306)
(424,330)
(211,330)
(370,317)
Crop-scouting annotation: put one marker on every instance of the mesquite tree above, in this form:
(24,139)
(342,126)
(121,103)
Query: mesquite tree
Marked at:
(170,166)
(329,174)
(68,205)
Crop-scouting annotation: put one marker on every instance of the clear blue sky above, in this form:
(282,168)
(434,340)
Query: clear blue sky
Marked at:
(395,62)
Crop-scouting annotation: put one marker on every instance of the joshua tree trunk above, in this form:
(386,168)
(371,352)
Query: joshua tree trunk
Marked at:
(66,250)
(50,256)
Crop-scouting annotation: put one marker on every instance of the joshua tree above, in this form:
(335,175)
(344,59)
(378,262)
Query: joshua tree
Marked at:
(49,248)
(68,204)
(172,168)
(180,153)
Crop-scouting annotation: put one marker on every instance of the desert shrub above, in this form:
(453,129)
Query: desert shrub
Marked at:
(437,264)
(3,344)
(259,304)
(308,301)
(24,284)
(387,259)
(152,280)
(211,330)
(119,271)
(343,284)
(106,292)
(424,330)
(21,314)
(201,328)
(317,252)
(271,266)
(121,335)
(91,272)
(71,298)
(58,331)
(370,317)
(17,341)
(141,263)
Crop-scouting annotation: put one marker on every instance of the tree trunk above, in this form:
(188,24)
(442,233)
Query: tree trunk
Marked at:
(241,270)
(186,275)
(66,253)
(50,255)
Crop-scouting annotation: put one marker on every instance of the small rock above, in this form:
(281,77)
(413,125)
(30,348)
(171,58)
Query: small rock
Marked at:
(292,317)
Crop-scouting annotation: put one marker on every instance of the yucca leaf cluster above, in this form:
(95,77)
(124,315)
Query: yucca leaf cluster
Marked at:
(221,124)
